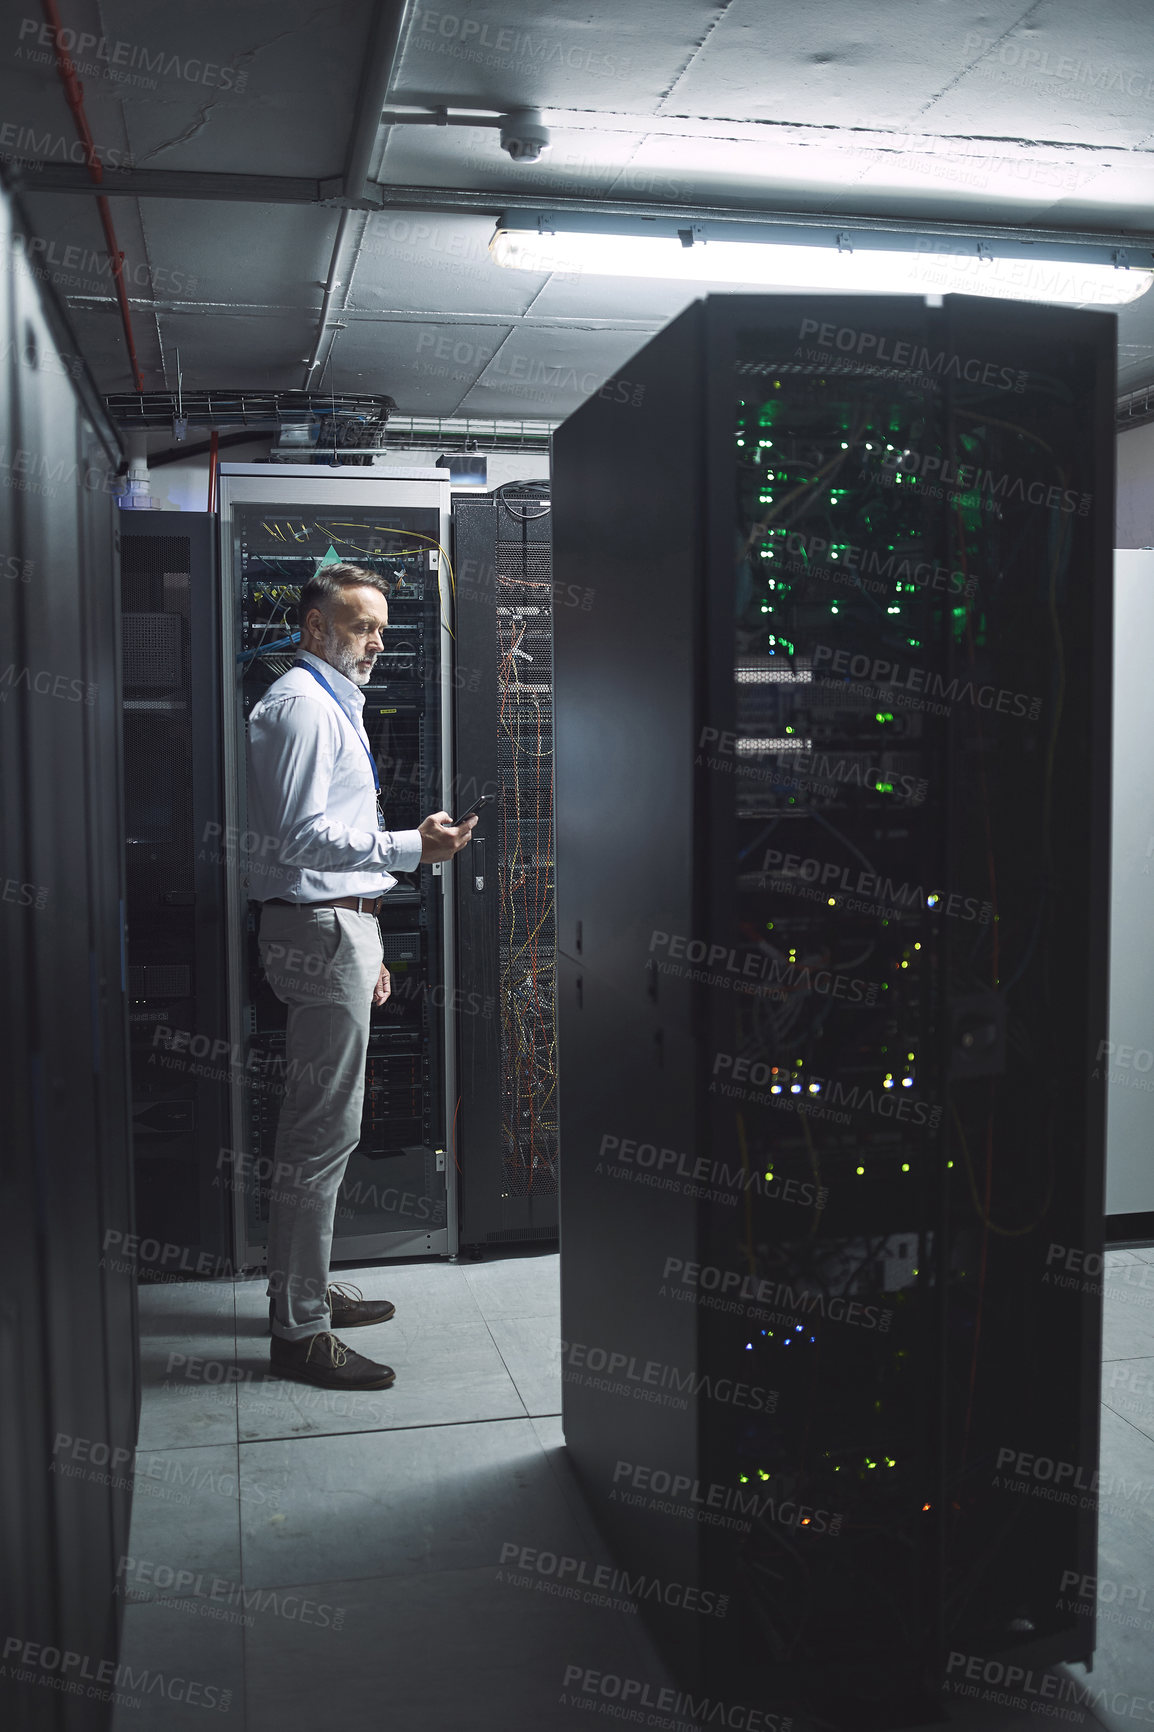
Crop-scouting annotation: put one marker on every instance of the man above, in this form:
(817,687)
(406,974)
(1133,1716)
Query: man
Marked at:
(314,801)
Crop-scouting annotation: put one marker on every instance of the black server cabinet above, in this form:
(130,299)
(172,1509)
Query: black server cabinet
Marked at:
(174,834)
(393,1198)
(832,809)
(68,1347)
(506,956)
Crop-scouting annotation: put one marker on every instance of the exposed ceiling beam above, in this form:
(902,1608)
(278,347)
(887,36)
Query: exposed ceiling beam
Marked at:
(387,30)
(456,201)
(189,183)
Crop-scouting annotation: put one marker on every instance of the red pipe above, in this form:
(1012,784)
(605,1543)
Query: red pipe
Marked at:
(213,468)
(72,92)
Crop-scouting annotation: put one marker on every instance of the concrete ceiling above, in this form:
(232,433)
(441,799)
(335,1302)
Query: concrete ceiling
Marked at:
(1003,112)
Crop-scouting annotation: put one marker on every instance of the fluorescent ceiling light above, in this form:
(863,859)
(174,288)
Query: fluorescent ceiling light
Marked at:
(783,256)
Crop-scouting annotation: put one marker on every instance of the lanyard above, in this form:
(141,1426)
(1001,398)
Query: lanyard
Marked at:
(321,681)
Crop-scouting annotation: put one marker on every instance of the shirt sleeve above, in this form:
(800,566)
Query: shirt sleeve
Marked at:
(292,749)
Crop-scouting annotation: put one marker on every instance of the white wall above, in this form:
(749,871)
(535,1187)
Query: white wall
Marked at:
(1135,504)
(183,485)
(1130,1073)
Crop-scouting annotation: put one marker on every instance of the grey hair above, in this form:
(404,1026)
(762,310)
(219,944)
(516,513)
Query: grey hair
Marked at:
(326,585)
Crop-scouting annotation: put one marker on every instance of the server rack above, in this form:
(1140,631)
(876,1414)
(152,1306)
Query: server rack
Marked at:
(175,909)
(68,1339)
(846,691)
(507,1140)
(398,1193)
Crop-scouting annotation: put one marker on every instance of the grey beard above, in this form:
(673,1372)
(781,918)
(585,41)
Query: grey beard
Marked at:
(344,660)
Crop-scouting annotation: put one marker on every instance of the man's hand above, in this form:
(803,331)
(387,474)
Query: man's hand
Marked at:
(441,838)
(383,987)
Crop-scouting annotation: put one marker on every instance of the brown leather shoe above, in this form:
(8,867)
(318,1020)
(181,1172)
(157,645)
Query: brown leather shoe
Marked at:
(346,1312)
(349,1309)
(323,1360)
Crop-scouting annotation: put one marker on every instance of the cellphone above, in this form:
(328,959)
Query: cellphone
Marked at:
(485,800)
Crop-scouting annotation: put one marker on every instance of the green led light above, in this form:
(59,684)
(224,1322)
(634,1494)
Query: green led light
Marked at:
(860,1169)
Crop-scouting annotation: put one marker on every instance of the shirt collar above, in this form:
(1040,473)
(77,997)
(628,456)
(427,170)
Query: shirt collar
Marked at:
(340,683)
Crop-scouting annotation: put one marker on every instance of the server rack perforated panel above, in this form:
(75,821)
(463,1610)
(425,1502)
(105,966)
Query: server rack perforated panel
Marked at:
(507,1139)
(827,1026)
(173,826)
(68,1311)
(393,1199)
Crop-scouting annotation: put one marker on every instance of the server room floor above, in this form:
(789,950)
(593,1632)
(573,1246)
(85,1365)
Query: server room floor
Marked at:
(373,1534)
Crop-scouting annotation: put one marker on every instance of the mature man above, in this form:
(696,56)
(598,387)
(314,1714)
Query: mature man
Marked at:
(314,800)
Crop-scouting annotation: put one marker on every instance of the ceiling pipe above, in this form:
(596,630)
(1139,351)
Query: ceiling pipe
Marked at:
(440,117)
(75,100)
(213,470)
(332,284)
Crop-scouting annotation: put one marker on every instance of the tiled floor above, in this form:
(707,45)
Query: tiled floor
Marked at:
(370,1527)
(368,1530)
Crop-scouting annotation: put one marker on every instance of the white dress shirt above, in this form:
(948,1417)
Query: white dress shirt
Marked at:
(312,804)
